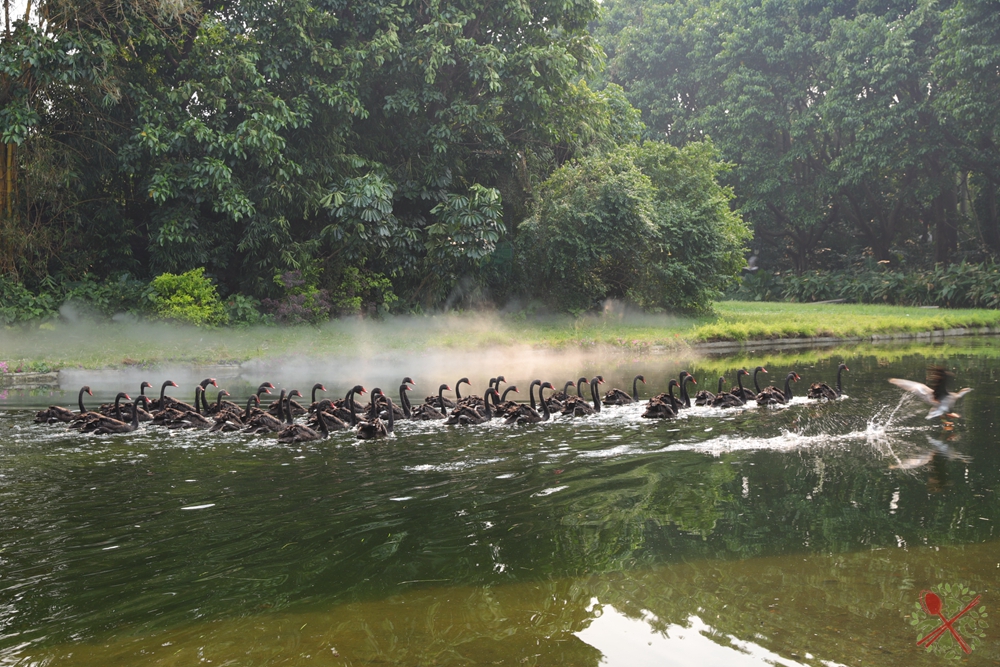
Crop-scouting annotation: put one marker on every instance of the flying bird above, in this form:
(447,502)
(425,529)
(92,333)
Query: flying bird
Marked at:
(934,393)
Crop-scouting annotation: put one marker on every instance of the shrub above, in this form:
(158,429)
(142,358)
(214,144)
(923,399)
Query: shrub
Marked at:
(189,297)
(646,224)
(360,291)
(121,294)
(245,310)
(303,302)
(18,304)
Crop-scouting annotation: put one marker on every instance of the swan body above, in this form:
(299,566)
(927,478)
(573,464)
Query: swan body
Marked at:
(774,396)
(297,432)
(428,410)
(115,426)
(705,397)
(618,397)
(376,428)
(821,390)
(57,413)
(733,399)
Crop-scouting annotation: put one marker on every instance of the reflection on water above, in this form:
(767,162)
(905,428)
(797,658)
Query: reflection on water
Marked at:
(798,535)
(635,642)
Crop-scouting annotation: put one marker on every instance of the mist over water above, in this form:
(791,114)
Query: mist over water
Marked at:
(430,349)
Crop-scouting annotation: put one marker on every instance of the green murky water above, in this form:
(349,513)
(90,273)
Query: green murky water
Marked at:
(797,536)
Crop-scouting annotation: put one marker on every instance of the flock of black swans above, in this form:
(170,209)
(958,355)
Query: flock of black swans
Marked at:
(376,418)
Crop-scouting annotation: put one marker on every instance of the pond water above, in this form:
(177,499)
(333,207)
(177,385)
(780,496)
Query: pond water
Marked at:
(796,536)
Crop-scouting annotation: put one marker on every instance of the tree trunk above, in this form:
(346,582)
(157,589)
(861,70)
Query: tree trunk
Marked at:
(8,167)
(989,224)
(946,227)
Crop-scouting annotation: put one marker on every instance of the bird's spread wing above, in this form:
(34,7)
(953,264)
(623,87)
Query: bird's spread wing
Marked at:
(925,393)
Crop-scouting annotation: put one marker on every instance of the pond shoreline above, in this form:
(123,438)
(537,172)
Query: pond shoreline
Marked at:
(52,379)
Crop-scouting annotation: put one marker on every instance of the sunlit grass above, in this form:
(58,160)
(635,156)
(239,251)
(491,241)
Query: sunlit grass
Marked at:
(148,343)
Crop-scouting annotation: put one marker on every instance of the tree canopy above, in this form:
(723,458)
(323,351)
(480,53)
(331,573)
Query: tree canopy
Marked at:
(856,129)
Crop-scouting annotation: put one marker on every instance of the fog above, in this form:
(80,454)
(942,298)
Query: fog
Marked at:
(433,350)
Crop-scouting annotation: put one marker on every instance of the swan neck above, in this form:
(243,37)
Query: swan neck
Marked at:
(404,403)
(388,407)
(595,395)
(79,400)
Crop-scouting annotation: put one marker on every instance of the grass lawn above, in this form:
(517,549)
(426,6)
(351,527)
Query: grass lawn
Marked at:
(56,345)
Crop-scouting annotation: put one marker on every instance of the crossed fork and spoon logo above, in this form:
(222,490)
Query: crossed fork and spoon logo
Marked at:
(931,603)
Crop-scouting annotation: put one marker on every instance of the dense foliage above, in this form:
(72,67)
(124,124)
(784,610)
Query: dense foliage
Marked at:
(381,148)
(960,285)
(646,224)
(856,129)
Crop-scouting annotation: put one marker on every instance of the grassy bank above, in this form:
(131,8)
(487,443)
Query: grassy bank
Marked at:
(147,343)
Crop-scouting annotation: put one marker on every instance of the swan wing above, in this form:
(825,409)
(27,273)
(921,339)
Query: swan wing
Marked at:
(925,393)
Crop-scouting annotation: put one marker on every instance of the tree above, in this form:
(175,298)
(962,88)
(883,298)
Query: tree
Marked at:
(647,223)
(253,136)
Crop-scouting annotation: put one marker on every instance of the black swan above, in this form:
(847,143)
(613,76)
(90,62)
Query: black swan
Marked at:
(748,395)
(116,426)
(663,406)
(427,410)
(466,415)
(160,403)
(619,397)
(346,409)
(774,396)
(558,398)
(935,392)
(684,378)
(265,422)
(580,408)
(530,416)
(376,428)
(733,399)
(297,432)
(333,422)
(440,402)
(107,409)
(705,397)
(175,408)
(57,413)
(577,406)
(505,407)
(220,406)
(229,422)
(89,421)
(675,403)
(193,419)
(471,400)
(404,400)
(382,404)
(526,410)
(820,390)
